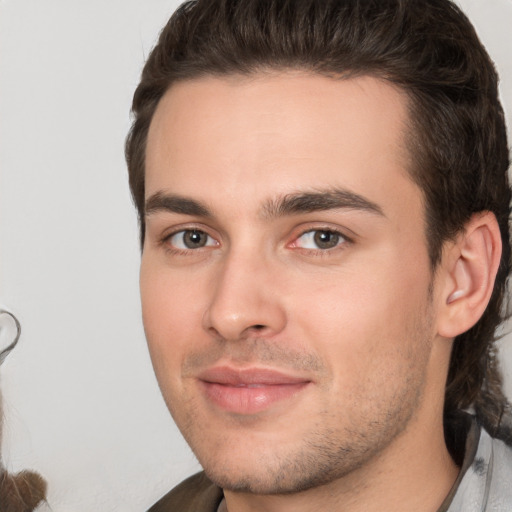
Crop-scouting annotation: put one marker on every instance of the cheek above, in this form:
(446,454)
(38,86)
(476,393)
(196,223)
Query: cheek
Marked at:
(172,314)
(365,323)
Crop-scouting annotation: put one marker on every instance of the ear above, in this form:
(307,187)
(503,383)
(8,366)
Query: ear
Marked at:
(468,271)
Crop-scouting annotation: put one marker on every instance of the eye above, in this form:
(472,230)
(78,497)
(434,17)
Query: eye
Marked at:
(319,239)
(190,239)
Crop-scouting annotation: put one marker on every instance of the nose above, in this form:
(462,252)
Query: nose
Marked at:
(246,300)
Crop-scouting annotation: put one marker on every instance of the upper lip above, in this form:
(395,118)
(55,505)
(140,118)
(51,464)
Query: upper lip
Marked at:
(230,376)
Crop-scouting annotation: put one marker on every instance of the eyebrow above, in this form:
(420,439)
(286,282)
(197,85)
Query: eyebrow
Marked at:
(330,199)
(175,204)
(290,204)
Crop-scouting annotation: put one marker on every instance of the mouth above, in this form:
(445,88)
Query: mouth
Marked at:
(249,390)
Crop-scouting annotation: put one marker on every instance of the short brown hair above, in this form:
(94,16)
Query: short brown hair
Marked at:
(457,140)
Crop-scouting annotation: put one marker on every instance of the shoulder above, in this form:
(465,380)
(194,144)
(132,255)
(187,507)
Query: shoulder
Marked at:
(500,483)
(195,494)
(486,484)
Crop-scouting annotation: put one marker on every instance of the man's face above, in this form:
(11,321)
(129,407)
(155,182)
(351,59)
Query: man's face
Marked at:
(285,275)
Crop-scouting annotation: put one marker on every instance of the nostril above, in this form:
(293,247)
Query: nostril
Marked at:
(258,327)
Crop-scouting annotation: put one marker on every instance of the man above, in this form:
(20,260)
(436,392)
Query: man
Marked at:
(323,199)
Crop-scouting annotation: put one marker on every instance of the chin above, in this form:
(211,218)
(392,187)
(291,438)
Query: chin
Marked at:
(271,474)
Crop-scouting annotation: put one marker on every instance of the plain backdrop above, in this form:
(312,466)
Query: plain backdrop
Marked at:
(81,404)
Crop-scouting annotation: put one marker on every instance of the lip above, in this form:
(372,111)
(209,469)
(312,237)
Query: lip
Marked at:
(249,390)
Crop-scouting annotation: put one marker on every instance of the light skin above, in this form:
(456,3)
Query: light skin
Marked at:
(297,331)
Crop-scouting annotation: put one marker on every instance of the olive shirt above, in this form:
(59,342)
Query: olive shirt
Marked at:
(484,483)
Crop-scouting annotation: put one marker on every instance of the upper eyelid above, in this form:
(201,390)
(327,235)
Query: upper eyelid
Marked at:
(344,239)
(171,231)
(346,233)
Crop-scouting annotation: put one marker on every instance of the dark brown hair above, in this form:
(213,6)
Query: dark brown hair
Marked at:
(457,136)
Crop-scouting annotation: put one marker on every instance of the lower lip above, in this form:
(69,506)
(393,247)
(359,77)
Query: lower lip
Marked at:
(250,400)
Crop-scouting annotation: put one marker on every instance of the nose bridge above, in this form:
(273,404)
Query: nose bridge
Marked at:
(245,297)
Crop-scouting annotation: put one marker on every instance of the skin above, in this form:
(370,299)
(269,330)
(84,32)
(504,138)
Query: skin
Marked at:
(359,322)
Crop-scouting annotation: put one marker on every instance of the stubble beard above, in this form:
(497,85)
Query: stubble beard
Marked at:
(327,452)
(324,456)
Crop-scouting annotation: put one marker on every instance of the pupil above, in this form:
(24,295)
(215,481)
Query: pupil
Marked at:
(194,239)
(326,239)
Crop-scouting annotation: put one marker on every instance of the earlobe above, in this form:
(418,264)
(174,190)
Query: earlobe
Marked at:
(471,266)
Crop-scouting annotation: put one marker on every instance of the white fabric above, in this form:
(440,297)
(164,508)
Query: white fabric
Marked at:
(487,484)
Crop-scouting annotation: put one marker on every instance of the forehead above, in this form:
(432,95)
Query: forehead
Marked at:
(252,137)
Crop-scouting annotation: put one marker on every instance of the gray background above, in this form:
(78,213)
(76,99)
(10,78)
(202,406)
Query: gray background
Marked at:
(81,403)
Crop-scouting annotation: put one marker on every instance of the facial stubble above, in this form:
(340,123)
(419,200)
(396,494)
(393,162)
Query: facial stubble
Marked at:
(327,452)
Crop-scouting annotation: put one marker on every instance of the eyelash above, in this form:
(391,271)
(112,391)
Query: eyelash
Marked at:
(344,240)
(340,245)
(165,241)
